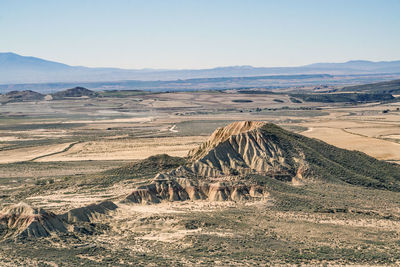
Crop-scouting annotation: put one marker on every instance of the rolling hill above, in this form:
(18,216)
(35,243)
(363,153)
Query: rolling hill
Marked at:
(20,96)
(391,87)
(74,92)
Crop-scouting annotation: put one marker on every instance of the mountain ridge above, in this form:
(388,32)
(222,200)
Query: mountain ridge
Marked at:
(15,68)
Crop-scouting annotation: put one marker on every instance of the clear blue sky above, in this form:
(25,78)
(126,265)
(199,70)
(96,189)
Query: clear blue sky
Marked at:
(201,33)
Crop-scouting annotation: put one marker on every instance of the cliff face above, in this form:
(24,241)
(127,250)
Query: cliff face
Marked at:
(181,189)
(221,135)
(246,152)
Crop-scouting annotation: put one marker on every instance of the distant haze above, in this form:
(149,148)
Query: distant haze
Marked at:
(16,69)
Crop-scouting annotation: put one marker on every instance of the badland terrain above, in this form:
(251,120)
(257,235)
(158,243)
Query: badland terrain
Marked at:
(247,176)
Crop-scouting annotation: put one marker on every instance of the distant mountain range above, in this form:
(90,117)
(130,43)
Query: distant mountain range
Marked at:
(17,69)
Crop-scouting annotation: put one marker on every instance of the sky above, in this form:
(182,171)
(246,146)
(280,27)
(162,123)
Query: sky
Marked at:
(195,34)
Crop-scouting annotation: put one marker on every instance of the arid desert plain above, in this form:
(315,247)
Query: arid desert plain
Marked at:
(77,161)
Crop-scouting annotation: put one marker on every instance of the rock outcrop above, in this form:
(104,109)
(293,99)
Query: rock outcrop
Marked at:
(24,221)
(221,135)
(241,148)
(181,189)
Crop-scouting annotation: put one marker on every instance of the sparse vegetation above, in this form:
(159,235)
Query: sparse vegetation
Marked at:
(387,87)
(242,100)
(354,207)
(144,168)
(345,97)
(295,100)
(74,92)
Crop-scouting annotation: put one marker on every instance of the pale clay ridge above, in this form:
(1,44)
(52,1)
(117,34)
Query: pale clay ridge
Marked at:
(22,220)
(181,189)
(25,221)
(237,149)
(89,213)
(222,134)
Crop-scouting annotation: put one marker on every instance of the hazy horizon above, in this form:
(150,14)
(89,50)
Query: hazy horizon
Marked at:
(213,67)
(201,34)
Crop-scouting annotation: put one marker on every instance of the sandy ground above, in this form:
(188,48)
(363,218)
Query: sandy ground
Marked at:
(112,123)
(378,148)
(377,131)
(166,228)
(394,136)
(25,154)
